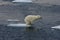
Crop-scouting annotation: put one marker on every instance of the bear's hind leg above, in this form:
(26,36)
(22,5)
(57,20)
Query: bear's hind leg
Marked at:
(28,23)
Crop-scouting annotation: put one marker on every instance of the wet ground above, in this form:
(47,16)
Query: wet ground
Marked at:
(42,29)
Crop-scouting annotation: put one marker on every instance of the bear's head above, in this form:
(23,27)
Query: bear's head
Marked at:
(37,17)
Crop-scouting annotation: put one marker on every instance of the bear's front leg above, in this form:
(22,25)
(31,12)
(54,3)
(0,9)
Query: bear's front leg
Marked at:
(28,23)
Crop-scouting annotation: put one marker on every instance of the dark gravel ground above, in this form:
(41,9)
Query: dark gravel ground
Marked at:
(42,29)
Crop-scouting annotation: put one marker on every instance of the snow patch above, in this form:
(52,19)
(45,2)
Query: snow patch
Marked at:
(22,1)
(56,27)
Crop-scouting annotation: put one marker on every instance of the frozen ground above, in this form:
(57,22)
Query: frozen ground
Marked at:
(50,14)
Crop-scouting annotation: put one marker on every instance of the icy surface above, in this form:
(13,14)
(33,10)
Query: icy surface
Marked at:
(22,1)
(56,27)
(18,25)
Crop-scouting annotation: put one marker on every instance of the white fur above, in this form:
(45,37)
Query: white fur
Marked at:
(31,18)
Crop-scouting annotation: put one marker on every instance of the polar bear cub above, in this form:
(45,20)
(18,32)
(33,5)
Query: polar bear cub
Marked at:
(31,18)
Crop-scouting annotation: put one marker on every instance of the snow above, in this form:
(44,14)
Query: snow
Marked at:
(22,1)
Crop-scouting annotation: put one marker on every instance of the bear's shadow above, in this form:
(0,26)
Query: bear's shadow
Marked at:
(31,29)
